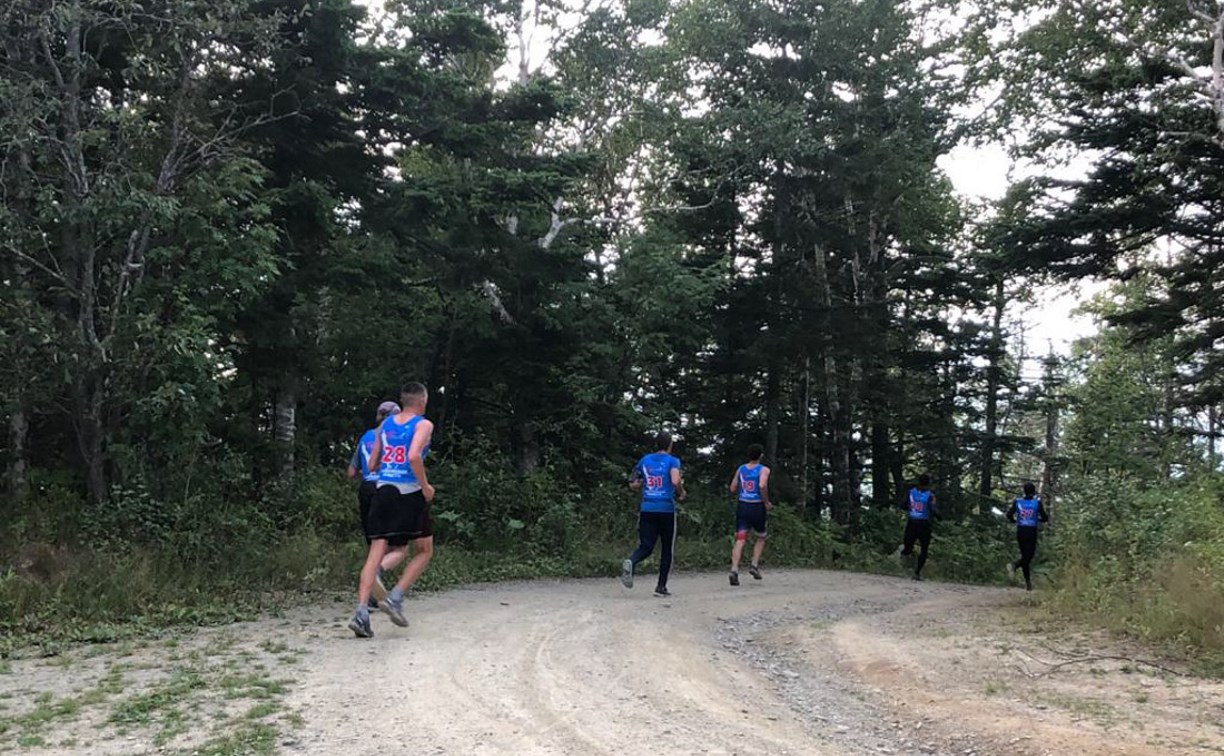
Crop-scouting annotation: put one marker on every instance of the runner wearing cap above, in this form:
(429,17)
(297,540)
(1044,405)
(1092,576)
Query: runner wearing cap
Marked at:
(360,465)
(399,513)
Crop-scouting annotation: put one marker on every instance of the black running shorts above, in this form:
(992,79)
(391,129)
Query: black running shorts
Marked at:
(365,498)
(398,517)
(750,516)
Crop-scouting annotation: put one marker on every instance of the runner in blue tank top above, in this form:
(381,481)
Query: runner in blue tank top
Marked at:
(359,465)
(920,509)
(1028,513)
(657,476)
(399,513)
(751,483)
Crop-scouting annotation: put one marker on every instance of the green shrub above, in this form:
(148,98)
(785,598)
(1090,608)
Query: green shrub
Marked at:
(1146,560)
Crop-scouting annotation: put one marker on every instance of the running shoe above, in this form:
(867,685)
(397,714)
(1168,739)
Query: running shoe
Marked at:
(1028,586)
(662,591)
(919,578)
(899,553)
(754,571)
(627,573)
(395,610)
(360,625)
(734,578)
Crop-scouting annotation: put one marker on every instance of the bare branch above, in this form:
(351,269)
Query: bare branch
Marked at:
(1055,666)
(555,226)
(489,289)
(55,274)
(1198,12)
(681,208)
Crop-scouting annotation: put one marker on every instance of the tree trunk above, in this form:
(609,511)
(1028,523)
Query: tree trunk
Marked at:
(898,472)
(1213,432)
(805,416)
(89,402)
(526,449)
(881,463)
(284,425)
(993,379)
(1049,476)
(772,390)
(839,432)
(18,468)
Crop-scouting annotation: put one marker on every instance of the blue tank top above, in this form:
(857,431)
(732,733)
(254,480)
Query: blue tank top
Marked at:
(750,484)
(658,492)
(396,440)
(365,447)
(1026,512)
(919,504)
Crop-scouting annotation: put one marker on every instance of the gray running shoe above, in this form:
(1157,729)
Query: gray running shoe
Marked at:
(627,573)
(360,625)
(754,571)
(395,610)
(1011,569)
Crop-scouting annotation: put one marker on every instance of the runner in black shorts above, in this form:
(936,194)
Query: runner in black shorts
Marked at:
(360,465)
(399,513)
(751,482)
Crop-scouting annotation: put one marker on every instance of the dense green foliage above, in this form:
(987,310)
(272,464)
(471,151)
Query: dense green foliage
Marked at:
(229,229)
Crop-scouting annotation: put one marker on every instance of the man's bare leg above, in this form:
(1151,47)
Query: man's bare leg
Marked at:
(737,553)
(422,549)
(394,555)
(758,548)
(369,571)
(754,568)
(360,624)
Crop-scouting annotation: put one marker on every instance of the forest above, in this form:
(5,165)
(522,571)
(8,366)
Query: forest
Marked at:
(230,228)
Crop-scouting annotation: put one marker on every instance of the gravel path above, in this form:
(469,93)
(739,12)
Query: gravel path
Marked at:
(803,662)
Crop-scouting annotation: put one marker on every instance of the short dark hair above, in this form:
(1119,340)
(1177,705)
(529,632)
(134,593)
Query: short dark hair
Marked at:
(412,393)
(1030,489)
(754,452)
(662,440)
(924,480)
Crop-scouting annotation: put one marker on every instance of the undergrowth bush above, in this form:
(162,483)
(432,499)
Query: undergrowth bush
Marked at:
(228,553)
(1146,560)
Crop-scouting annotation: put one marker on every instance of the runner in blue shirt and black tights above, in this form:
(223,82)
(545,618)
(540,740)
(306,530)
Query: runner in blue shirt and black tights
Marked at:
(1028,513)
(657,476)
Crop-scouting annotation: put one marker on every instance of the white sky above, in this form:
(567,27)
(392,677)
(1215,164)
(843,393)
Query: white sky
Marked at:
(983,173)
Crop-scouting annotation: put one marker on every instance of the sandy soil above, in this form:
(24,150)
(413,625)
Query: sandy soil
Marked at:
(803,662)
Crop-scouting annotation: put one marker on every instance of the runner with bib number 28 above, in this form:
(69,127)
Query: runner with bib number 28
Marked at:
(399,513)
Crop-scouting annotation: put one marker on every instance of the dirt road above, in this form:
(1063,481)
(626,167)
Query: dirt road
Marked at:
(803,662)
